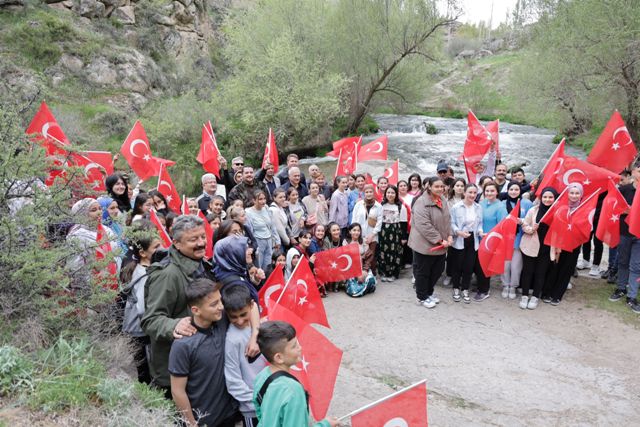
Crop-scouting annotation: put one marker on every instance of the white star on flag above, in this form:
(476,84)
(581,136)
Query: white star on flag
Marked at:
(615,146)
(614,218)
(334,264)
(303,300)
(304,364)
(586,181)
(146,157)
(169,198)
(569,227)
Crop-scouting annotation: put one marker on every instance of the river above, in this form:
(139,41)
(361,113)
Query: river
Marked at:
(420,152)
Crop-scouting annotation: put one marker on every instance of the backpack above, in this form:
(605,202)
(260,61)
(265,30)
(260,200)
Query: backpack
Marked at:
(356,289)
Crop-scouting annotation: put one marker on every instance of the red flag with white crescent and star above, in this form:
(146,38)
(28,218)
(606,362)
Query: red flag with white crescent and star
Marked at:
(613,206)
(94,173)
(343,143)
(407,408)
(571,169)
(208,154)
(338,264)
(552,168)
(614,149)
(568,230)
(162,232)
(494,130)
(103,158)
(375,150)
(478,140)
(347,161)
(275,282)
(185,206)
(168,190)
(320,361)
(496,247)
(301,295)
(137,151)
(45,129)
(633,219)
(391,173)
(107,277)
(270,152)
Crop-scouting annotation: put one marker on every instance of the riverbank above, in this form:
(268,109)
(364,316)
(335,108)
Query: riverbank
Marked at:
(490,363)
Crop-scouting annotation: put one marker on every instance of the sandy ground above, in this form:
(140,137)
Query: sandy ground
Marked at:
(488,363)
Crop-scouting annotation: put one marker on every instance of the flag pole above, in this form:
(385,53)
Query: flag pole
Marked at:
(560,144)
(379,401)
(595,193)
(554,202)
(287,282)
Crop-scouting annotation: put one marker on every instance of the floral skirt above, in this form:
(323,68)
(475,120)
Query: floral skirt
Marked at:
(390,250)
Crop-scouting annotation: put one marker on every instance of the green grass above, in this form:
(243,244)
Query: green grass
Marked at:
(595,294)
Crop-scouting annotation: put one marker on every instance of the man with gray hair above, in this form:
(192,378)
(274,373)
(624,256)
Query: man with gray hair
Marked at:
(166,317)
(210,188)
(295,182)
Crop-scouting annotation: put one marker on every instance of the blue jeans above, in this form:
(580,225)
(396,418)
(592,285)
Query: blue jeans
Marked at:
(264,253)
(613,259)
(629,265)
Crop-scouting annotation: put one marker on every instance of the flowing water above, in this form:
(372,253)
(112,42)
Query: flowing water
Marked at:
(420,152)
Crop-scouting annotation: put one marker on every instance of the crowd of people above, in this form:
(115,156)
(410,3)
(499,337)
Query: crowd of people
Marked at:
(195,321)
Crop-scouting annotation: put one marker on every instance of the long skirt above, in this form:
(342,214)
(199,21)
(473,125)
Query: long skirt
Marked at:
(390,250)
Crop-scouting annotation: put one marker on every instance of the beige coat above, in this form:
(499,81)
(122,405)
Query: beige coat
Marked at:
(430,225)
(530,244)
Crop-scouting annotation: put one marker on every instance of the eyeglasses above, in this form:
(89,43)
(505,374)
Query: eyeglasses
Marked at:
(238,164)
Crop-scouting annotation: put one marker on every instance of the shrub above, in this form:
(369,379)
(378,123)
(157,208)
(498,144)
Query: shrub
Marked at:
(15,370)
(39,39)
(115,392)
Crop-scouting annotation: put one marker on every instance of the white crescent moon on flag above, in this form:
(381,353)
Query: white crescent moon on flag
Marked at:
(301,282)
(489,236)
(91,166)
(164,183)
(349,262)
(567,175)
(560,163)
(269,291)
(133,146)
(373,146)
(388,172)
(625,130)
(45,129)
(396,422)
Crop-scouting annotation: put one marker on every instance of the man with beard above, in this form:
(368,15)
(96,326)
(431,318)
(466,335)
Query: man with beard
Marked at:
(166,316)
(246,189)
(501,178)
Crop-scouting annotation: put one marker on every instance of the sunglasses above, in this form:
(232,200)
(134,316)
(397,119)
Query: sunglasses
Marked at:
(238,164)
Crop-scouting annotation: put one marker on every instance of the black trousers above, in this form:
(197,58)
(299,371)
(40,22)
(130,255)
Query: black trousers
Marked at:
(535,271)
(140,358)
(598,248)
(483,281)
(426,270)
(565,266)
(462,262)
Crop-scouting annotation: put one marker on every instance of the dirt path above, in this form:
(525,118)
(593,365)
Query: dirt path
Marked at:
(487,363)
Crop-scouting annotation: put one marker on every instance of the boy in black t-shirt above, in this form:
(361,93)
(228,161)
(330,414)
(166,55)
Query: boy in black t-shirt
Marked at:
(196,363)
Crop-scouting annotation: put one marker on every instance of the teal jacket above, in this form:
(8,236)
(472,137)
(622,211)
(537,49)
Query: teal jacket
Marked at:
(283,405)
(165,305)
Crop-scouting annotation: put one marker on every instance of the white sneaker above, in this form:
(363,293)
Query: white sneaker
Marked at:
(523,302)
(446,281)
(456,295)
(465,296)
(582,264)
(570,285)
(435,299)
(429,303)
(533,303)
(505,291)
(413,280)
(512,292)
(595,271)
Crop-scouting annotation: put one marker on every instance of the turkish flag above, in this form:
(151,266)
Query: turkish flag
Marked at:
(94,173)
(497,246)
(494,130)
(568,230)
(270,152)
(108,277)
(377,194)
(46,130)
(613,206)
(162,232)
(185,206)
(209,232)
(391,173)
(168,190)
(614,149)
(301,295)
(633,219)
(274,283)
(318,368)
(137,151)
(103,158)
(571,169)
(347,161)
(552,168)
(338,264)
(375,150)
(478,141)
(407,408)
(209,153)
(343,143)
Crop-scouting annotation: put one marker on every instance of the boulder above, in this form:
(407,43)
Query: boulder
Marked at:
(182,14)
(11,3)
(90,8)
(71,63)
(465,54)
(125,15)
(62,5)
(101,72)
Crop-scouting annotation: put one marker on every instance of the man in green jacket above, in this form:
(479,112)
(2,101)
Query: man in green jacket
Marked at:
(166,315)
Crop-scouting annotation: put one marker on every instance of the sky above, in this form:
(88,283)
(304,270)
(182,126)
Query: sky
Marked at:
(480,10)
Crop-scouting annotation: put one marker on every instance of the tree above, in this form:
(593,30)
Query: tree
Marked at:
(585,60)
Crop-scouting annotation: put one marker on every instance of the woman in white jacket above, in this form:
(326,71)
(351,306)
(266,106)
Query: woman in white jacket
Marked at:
(368,213)
(280,219)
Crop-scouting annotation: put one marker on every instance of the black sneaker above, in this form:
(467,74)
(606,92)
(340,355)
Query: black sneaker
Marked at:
(546,300)
(634,305)
(605,274)
(613,278)
(617,295)
(555,301)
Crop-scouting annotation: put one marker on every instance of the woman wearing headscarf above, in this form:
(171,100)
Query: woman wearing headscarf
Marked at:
(513,268)
(118,190)
(83,236)
(565,262)
(536,259)
(230,263)
(110,214)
